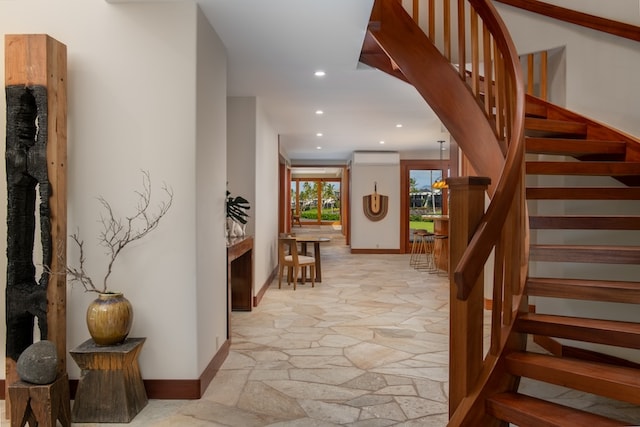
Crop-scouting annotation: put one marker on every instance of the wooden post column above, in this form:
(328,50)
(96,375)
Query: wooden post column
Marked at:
(36,87)
(466,209)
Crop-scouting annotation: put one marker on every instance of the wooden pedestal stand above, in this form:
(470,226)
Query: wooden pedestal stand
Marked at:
(111,388)
(36,87)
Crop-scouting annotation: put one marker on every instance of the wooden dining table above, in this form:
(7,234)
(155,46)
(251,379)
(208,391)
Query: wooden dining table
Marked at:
(304,241)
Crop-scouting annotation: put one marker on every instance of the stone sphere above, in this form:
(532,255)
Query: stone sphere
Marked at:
(38,363)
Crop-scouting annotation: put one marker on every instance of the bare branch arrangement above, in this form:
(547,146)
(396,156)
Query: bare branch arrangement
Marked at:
(118,233)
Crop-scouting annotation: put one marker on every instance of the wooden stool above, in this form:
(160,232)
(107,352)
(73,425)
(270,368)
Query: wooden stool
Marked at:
(40,405)
(440,256)
(422,250)
(416,246)
(426,252)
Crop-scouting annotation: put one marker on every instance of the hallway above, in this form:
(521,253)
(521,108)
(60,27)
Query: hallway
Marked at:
(366,347)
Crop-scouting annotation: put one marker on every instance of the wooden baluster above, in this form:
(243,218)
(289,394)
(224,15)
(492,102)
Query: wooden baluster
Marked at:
(530,74)
(416,11)
(543,75)
(462,61)
(432,21)
(488,71)
(446,28)
(498,296)
(475,54)
(498,86)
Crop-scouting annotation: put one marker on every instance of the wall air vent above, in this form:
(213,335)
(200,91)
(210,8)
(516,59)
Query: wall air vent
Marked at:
(376,158)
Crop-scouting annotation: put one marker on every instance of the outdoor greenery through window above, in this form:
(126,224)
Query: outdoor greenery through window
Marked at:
(423,198)
(316,200)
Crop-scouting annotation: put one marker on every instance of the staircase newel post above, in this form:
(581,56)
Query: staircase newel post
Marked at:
(466,208)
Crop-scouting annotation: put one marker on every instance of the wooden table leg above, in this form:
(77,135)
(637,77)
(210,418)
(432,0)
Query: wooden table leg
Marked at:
(316,254)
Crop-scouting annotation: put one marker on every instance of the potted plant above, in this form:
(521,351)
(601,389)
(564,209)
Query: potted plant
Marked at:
(237,215)
(109,317)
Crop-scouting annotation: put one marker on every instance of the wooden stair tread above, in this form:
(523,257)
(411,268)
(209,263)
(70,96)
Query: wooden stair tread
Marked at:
(584,168)
(543,127)
(591,290)
(573,147)
(602,254)
(583,193)
(615,382)
(609,332)
(523,410)
(585,222)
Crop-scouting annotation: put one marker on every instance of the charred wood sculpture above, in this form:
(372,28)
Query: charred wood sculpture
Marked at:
(26,159)
(35,86)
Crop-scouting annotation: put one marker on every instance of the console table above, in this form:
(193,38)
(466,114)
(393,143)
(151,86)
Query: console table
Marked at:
(240,272)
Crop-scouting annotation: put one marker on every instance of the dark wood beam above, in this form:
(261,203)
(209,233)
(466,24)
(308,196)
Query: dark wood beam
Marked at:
(620,29)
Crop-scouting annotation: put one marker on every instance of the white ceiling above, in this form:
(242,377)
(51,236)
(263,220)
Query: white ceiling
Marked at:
(275,46)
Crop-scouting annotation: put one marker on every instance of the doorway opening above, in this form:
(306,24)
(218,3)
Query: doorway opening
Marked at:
(420,200)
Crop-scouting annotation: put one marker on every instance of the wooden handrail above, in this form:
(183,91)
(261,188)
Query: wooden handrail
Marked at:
(617,28)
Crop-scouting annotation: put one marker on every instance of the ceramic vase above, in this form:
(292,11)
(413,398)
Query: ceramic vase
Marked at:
(109,318)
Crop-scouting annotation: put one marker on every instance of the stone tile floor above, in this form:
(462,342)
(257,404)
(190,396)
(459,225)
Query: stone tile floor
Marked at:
(366,347)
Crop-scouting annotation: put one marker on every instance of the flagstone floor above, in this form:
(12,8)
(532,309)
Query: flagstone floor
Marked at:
(366,347)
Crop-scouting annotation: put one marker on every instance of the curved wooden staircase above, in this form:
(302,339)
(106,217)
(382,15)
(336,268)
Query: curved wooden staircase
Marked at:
(589,165)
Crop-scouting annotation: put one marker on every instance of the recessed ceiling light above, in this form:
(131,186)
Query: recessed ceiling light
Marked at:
(319,112)
(381,142)
(318,148)
(399,125)
(319,134)
(319,73)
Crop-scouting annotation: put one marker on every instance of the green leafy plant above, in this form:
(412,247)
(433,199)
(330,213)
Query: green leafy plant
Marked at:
(237,208)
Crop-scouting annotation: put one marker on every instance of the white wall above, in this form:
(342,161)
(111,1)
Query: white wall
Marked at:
(131,106)
(266,196)
(383,234)
(252,172)
(241,152)
(211,176)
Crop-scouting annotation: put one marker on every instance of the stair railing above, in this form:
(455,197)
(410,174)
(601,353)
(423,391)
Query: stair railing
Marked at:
(471,35)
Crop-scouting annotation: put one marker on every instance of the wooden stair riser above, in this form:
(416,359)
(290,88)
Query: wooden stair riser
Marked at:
(586,254)
(574,148)
(583,168)
(582,193)
(524,410)
(554,128)
(590,290)
(613,382)
(580,222)
(609,332)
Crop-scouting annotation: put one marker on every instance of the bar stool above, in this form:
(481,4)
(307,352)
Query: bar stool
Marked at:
(416,245)
(422,250)
(416,240)
(438,252)
(425,258)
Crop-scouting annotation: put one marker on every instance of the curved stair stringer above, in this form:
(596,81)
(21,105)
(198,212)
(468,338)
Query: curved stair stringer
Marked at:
(412,55)
(439,83)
